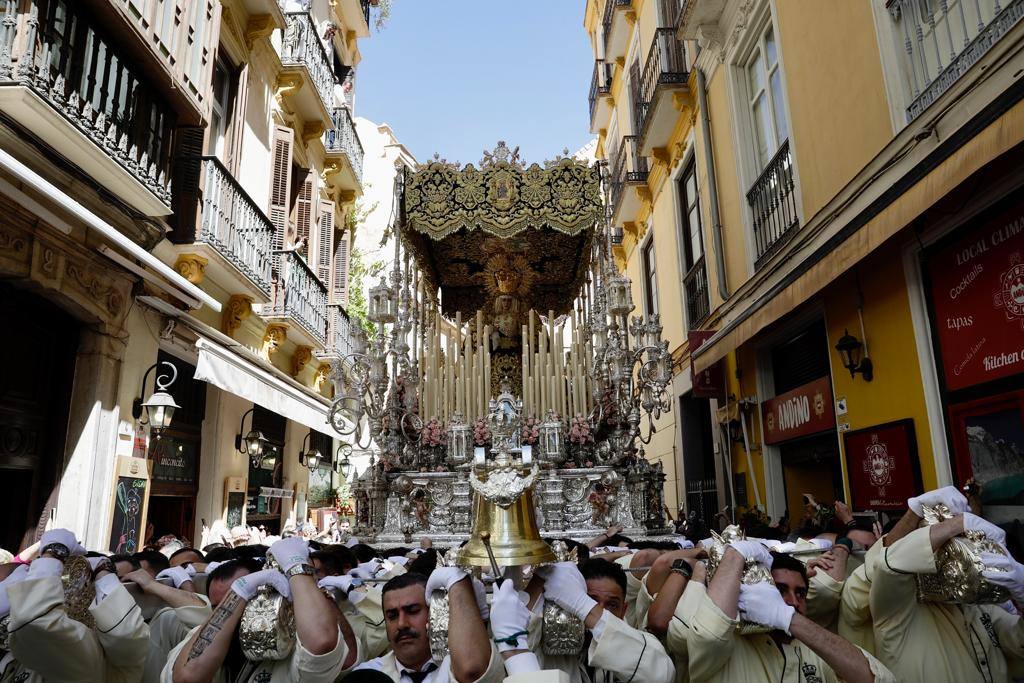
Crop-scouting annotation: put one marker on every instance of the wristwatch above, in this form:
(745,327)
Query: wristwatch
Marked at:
(300,569)
(105,565)
(683,567)
(58,550)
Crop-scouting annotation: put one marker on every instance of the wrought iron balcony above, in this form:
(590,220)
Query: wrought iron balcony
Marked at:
(365,4)
(600,85)
(941,42)
(343,139)
(301,46)
(665,65)
(235,226)
(698,305)
(772,202)
(628,167)
(297,295)
(339,333)
(55,50)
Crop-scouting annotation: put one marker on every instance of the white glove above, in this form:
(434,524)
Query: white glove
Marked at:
(190,569)
(212,566)
(443,578)
(762,604)
(973,522)
(684,544)
(340,583)
(246,586)
(566,587)
(367,570)
(290,552)
(399,560)
(753,550)
(177,575)
(1005,572)
(65,538)
(509,619)
(947,495)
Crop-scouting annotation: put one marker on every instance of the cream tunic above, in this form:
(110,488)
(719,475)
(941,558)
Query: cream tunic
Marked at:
(719,653)
(167,628)
(679,627)
(934,641)
(48,645)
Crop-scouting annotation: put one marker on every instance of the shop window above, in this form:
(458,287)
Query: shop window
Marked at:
(175,454)
(269,473)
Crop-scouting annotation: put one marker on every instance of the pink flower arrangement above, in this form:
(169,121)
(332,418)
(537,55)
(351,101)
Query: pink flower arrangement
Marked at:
(481,432)
(579,430)
(530,432)
(433,433)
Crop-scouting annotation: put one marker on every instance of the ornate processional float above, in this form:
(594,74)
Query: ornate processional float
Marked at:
(502,355)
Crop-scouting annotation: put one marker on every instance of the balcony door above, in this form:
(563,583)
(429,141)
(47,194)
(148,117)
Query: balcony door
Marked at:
(226,115)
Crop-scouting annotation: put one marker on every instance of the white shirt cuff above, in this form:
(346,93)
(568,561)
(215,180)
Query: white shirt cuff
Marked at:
(105,585)
(599,626)
(522,663)
(45,566)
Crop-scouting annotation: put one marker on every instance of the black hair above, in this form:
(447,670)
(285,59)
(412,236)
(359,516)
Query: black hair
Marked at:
(597,568)
(125,557)
(395,552)
(425,563)
(336,559)
(403,581)
(787,561)
(363,552)
(94,553)
(221,554)
(210,547)
(154,558)
(254,551)
(617,539)
(228,569)
(187,549)
(653,545)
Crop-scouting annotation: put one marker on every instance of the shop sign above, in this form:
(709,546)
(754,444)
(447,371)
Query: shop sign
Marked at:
(977,289)
(710,382)
(882,465)
(803,411)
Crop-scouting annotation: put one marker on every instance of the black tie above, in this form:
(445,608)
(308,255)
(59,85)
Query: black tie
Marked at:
(419,676)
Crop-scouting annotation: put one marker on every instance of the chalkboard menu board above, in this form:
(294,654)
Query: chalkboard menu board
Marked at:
(234,501)
(129,505)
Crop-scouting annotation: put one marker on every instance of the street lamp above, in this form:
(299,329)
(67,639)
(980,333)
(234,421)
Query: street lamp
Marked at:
(159,407)
(849,348)
(342,463)
(253,444)
(310,458)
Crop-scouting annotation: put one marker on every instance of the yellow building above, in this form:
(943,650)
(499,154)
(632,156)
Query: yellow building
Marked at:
(799,183)
(176,179)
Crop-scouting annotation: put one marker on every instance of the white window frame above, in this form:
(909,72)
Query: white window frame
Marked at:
(688,156)
(744,154)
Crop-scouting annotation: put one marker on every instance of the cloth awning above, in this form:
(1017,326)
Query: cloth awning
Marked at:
(227,370)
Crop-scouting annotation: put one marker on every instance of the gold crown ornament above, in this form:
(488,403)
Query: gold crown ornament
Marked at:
(959,578)
(267,629)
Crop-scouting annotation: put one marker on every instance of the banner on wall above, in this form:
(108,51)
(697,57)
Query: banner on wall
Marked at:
(803,411)
(882,465)
(977,291)
(710,382)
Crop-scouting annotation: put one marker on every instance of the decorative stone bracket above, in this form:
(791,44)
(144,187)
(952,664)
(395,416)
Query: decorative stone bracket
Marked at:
(237,309)
(301,358)
(192,267)
(273,339)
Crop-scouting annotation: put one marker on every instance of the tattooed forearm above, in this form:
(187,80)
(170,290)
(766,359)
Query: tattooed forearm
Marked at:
(216,622)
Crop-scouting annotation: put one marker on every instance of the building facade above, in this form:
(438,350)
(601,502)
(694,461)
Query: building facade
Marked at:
(822,202)
(177,180)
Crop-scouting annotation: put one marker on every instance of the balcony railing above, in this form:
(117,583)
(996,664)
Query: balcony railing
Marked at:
(695,282)
(628,167)
(772,201)
(365,4)
(339,334)
(666,64)
(298,294)
(600,84)
(609,17)
(942,42)
(301,46)
(668,12)
(56,51)
(234,225)
(342,137)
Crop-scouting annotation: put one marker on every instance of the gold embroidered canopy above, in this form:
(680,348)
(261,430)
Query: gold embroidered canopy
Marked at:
(504,225)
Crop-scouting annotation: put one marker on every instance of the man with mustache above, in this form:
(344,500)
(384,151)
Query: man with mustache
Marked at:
(472,656)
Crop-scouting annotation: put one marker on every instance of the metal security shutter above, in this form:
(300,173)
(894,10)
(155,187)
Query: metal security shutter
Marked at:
(305,211)
(801,359)
(280,184)
(325,241)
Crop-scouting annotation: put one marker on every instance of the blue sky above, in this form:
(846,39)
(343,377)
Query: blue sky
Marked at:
(456,76)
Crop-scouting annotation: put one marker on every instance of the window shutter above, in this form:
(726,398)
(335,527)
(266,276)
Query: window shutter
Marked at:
(325,240)
(187,170)
(339,290)
(280,185)
(305,213)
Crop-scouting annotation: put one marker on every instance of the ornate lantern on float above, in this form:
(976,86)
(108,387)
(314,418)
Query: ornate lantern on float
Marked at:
(552,439)
(460,440)
(620,301)
(381,305)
